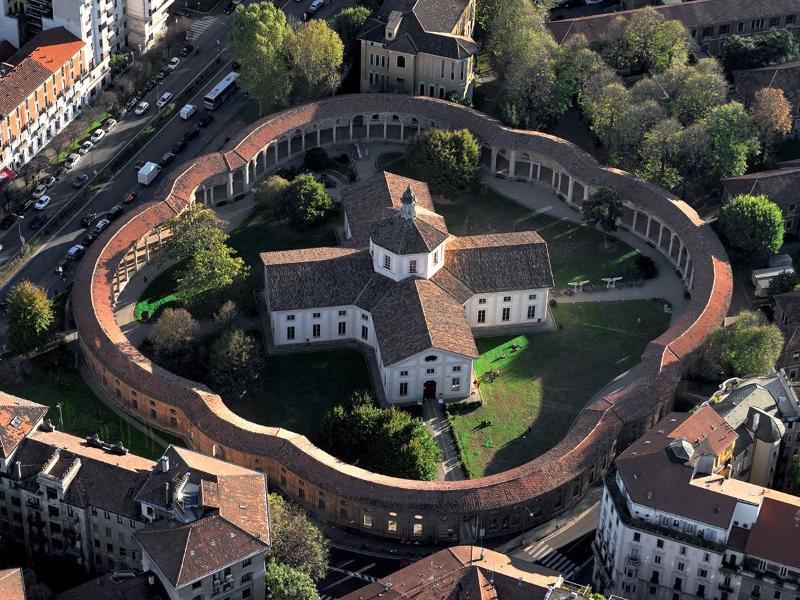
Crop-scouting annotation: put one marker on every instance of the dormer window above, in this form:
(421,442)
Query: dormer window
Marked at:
(412,266)
(387,262)
(436,257)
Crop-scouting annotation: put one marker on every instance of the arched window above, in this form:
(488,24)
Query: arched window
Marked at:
(430,358)
(401,62)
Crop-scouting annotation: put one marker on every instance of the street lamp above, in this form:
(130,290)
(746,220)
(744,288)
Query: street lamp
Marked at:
(19,229)
(526,514)
(219,50)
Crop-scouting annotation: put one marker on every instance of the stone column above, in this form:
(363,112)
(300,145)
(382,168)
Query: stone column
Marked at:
(494,160)
(660,235)
(635,217)
(569,190)
(647,231)
(385,126)
(512,168)
(671,240)
(319,138)
(402,130)
(230,185)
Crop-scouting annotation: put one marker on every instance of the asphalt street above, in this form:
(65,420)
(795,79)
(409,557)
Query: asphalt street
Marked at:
(348,572)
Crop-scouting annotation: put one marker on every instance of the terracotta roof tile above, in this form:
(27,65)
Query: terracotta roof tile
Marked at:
(774,536)
(18,417)
(12,586)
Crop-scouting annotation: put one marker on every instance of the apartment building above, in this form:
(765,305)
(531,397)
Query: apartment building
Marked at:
(709,22)
(674,526)
(147,21)
(765,414)
(197,525)
(420,47)
(42,87)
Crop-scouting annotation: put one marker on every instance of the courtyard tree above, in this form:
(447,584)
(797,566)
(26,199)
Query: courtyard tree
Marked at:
(30,317)
(306,202)
(348,22)
(226,316)
(447,160)
(259,45)
(653,43)
(173,332)
(315,54)
(694,157)
(210,270)
(385,440)
(236,361)
(285,583)
(603,209)
(696,91)
(772,117)
(296,541)
(575,65)
(782,283)
(733,139)
(659,154)
(605,109)
(515,28)
(748,348)
(759,50)
(192,231)
(268,195)
(752,225)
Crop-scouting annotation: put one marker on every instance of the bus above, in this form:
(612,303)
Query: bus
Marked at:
(221,91)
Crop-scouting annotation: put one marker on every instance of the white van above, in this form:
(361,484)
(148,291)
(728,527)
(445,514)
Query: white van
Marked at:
(187,111)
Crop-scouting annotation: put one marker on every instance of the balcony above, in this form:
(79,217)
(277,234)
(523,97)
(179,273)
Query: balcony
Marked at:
(726,587)
(633,560)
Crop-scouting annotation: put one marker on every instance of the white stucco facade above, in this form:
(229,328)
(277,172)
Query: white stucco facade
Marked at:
(507,308)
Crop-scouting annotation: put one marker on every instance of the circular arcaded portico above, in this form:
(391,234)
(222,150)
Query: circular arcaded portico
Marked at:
(344,495)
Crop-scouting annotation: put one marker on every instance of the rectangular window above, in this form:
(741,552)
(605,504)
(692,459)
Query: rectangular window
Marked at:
(412,266)
(774,21)
(342,328)
(387,262)
(702,573)
(531,296)
(506,314)
(724,29)
(371,59)
(364,332)
(367,520)
(290,317)
(441,71)
(315,330)
(657,559)
(290,333)
(365,317)
(481,316)
(456,385)
(789,19)
(404,389)
(739,27)
(342,313)
(532,311)
(506,298)
(436,257)
(403,373)
(681,566)
(452,71)
(430,371)
(481,300)
(316,315)
(707,32)
(457,369)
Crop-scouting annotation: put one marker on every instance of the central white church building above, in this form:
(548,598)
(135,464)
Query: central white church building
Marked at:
(404,286)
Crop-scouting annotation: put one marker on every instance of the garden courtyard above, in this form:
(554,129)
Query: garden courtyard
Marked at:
(540,388)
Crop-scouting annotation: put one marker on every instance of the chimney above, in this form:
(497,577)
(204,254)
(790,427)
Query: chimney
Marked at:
(151,580)
(164,464)
(166,493)
(393,24)
(19,470)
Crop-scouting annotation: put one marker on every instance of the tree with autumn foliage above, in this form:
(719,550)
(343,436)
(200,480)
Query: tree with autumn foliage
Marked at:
(771,113)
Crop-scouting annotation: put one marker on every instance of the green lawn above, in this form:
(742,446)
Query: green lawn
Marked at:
(545,384)
(296,390)
(576,252)
(50,379)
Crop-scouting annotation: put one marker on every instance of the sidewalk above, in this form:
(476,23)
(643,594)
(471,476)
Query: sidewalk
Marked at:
(435,420)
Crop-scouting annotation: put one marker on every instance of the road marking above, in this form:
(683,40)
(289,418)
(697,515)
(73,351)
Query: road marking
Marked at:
(356,574)
(199,26)
(120,170)
(545,555)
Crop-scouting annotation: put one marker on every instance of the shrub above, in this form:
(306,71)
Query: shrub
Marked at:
(752,225)
(316,159)
(747,348)
(447,160)
(646,267)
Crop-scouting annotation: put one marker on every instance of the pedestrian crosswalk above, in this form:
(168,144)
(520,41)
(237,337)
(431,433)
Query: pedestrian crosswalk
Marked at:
(545,555)
(199,26)
(362,576)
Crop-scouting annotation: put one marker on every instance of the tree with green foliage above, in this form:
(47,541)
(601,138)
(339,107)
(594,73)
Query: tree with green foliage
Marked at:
(384,440)
(699,90)
(285,583)
(694,157)
(306,202)
(236,362)
(348,22)
(30,317)
(603,209)
(575,65)
(782,283)
(173,333)
(653,43)
(448,160)
(225,316)
(315,54)
(193,230)
(659,154)
(268,195)
(516,27)
(258,43)
(748,348)
(316,159)
(210,270)
(606,108)
(296,541)
(733,139)
(752,225)
(759,50)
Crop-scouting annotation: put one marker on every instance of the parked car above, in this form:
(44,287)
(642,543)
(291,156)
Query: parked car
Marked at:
(187,111)
(186,50)
(25,206)
(110,124)
(86,147)
(62,266)
(76,252)
(167,158)
(161,76)
(101,226)
(80,181)
(115,212)
(191,134)
(60,171)
(72,160)
(178,146)
(39,190)
(141,108)
(139,164)
(88,219)
(7,222)
(42,203)
(173,63)
(131,104)
(165,99)
(48,180)
(205,120)
(87,240)
(39,221)
(98,135)
(315,6)
(129,197)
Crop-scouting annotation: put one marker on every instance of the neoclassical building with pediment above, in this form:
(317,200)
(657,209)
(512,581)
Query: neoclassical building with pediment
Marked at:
(404,286)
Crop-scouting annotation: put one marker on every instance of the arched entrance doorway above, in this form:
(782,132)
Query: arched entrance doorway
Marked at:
(429,390)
